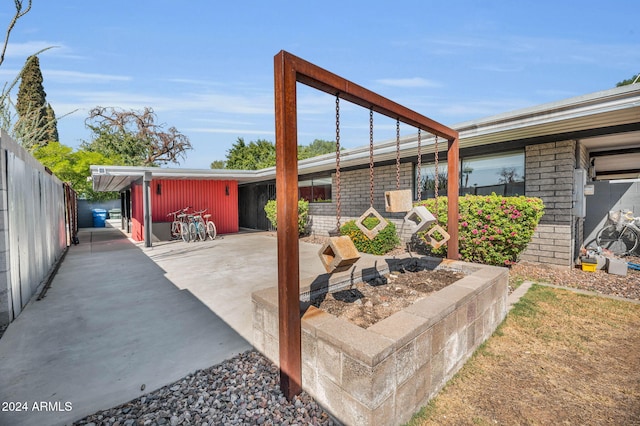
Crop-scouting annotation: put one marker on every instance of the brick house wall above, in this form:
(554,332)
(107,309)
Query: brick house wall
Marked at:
(549,171)
(354,199)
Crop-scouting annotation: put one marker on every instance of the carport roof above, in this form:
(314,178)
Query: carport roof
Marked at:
(117,178)
(619,106)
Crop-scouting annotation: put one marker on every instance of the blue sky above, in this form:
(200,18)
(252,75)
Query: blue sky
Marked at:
(206,67)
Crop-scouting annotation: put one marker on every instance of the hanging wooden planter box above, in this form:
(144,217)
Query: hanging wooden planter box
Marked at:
(397,201)
(371,233)
(419,219)
(433,242)
(338,254)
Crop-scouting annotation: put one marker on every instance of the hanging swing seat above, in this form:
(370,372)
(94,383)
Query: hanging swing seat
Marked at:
(371,233)
(399,200)
(419,219)
(338,254)
(435,242)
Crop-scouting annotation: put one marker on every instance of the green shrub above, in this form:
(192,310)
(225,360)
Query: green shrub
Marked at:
(492,229)
(271,210)
(386,240)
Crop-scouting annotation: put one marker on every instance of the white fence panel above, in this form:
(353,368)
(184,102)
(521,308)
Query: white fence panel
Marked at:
(34,218)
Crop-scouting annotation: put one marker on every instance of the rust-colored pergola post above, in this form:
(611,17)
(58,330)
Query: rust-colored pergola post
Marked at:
(453,188)
(287,211)
(288,71)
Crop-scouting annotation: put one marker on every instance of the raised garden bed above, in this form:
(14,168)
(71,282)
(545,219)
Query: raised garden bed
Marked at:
(384,373)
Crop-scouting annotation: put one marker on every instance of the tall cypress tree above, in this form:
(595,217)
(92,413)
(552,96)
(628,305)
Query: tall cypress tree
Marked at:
(35,117)
(52,124)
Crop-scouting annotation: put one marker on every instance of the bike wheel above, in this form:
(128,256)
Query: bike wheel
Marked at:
(211,230)
(619,242)
(202,233)
(175,230)
(633,239)
(184,232)
(193,234)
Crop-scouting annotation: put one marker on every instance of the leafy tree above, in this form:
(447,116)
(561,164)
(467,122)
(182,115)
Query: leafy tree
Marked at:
(36,123)
(315,148)
(634,79)
(262,153)
(134,137)
(31,95)
(254,156)
(73,167)
(52,128)
(218,164)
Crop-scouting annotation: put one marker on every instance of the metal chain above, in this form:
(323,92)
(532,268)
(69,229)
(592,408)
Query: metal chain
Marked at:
(371,157)
(435,148)
(338,207)
(419,178)
(397,154)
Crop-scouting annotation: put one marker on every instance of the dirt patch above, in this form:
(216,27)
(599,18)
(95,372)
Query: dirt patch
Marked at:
(559,358)
(367,303)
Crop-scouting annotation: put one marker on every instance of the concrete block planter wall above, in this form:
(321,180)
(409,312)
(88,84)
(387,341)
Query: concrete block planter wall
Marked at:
(384,374)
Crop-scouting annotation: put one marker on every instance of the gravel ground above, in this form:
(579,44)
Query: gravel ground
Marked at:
(243,390)
(599,281)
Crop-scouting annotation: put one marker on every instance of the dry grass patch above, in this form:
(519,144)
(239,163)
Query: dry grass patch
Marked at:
(559,358)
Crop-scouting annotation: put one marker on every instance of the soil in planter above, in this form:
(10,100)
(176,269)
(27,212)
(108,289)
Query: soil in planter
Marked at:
(367,303)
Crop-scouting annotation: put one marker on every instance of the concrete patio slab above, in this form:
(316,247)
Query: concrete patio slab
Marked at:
(111,328)
(120,315)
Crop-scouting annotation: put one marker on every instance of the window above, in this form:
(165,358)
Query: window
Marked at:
(480,175)
(501,173)
(317,190)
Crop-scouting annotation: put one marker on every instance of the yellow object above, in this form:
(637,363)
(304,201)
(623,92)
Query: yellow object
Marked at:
(589,267)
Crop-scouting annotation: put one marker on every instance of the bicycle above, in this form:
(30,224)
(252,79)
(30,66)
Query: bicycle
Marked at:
(176,225)
(209,226)
(179,225)
(197,226)
(622,235)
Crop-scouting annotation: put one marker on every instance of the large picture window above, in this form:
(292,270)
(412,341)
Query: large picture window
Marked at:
(479,175)
(501,173)
(316,190)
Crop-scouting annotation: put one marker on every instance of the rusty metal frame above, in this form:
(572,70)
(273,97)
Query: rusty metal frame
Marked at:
(288,71)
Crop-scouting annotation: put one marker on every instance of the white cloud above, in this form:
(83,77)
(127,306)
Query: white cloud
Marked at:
(31,47)
(225,131)
(408,82)
(63,76)
(211,102)
(483,108)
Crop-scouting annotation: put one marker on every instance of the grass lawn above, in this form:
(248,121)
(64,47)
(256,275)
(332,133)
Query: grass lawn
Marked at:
(558,358)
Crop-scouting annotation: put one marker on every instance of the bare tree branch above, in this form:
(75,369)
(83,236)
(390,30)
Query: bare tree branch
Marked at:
(160,146)
(19,14)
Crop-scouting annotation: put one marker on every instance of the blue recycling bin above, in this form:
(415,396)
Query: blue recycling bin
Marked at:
(99,218)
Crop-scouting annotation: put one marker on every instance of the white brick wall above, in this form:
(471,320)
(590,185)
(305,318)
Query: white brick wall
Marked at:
(549,172)
(355,198)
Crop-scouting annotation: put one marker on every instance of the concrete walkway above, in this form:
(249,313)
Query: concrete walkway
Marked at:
(111,324)
(120,315)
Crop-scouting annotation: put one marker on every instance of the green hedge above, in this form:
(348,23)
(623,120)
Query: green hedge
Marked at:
(386,240)
(492,229)
(271,210)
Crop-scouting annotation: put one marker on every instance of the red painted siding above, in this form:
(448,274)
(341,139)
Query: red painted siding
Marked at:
(219,197)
